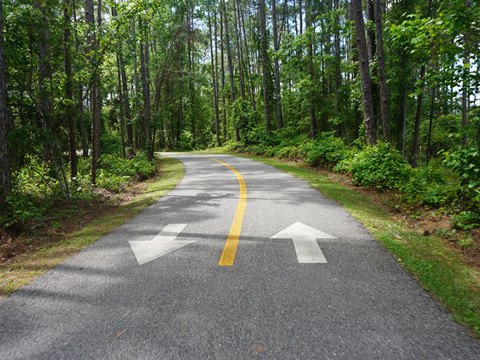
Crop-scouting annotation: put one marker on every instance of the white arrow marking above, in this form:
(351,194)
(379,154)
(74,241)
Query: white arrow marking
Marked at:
(163,243)
(304,239)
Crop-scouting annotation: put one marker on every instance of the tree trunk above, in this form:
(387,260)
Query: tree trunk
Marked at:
(276,46)
(191,71)
(214,77)
(418,118)
(311,70)
(92,48)
(222,70)
(121,105)
(338,59)
(69,107)
(230,66)
(357,15)
(145,74)
(372,53)
(81,117)
(241,76)
(265,69)
(384,110)
(465,85)
(430,124)
(4,164)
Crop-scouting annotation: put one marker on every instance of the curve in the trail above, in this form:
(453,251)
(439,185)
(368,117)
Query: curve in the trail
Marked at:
(231,245)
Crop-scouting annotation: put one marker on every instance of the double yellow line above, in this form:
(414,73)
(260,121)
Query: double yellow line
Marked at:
(230,249)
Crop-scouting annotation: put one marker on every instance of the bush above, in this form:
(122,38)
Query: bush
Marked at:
(111,143)
(466,163)
(466,220)
(380,166)
(289,152)
(23,209)
(327,150)
(116,172)
(429,186)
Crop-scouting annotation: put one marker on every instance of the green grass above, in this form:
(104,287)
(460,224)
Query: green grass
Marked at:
(30,265)
(437,266)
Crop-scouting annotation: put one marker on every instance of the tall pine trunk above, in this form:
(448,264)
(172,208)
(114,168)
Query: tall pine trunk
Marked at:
(95,99)
(4,164)
(382,77)
(265,69)
(69,106)
(276,46)
(214,77)
(145,74)
(357,14)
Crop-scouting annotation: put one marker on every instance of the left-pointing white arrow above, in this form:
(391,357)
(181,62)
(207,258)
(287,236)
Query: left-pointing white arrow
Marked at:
(163,243)
(304,239)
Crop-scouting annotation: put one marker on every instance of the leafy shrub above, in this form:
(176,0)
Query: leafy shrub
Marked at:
(116,172)
(110,181)
(186,141)
(466,220)
(35,178)
(466,163)
(23,209)
(429,186)
(380,166)
(289,152)
(344,166)
(327,150)
(111,143)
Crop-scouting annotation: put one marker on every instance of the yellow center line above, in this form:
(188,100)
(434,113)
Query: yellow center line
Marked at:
(230,249)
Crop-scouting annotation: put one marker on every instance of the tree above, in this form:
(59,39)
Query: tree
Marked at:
(357,14)
(95,96)
(4,165)
(265,63)
(381,70)
(276,46)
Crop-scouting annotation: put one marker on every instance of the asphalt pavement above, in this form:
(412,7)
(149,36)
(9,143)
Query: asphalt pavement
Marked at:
(322,289)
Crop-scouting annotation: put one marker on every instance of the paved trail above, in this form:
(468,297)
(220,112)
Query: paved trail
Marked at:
(321,289)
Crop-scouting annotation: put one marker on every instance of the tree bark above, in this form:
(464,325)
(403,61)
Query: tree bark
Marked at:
(69,107)
(276,46)
(230,65)
(95,99)
(357,15)
(4,162)
(465,85)
(222,71)
(311,70)
(418,118)
(214,77)
(384,109)
(265,69)
(145,74)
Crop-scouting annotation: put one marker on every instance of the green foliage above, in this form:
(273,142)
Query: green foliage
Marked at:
(116,172)
(111,143)
(186,141)
(24,209)
(35,178)
(429,186)
(381,167)
(326,150)
(466,163)
(466,220)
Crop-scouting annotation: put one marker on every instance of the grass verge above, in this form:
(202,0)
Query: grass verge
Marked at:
(437,266)
(30,265)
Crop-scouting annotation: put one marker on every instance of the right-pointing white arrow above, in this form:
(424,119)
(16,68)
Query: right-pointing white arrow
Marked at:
(304,239)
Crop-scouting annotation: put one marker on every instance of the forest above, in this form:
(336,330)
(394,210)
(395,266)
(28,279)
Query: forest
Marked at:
(387,91)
